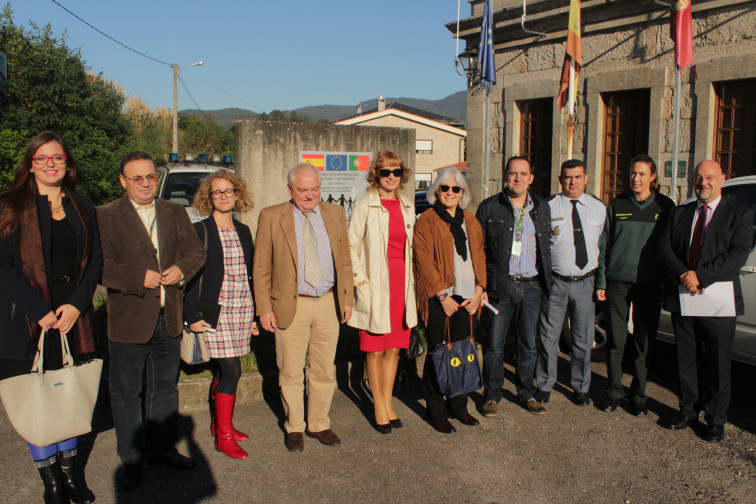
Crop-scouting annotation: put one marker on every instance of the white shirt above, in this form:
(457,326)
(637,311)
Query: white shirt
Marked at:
(592,213)
(709,214)
(149,218)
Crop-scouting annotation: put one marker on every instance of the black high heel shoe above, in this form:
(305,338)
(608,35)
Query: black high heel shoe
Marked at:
(396,423)
(383,429)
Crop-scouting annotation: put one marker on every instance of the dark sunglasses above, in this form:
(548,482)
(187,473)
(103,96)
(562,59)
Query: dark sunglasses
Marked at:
(445,188)
(385,172)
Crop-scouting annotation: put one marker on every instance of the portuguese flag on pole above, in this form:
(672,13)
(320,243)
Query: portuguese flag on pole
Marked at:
(681,32)
(574,52)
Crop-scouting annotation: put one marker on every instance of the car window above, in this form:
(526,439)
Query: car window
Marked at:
(745,194)
(180,187)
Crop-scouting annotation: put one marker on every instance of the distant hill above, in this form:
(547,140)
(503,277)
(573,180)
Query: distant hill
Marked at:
(454,106)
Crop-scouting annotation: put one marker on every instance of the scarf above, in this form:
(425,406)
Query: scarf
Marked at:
(460,238)
(34,269)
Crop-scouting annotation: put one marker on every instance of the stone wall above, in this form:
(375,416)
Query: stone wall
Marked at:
(265,151)
(620,54)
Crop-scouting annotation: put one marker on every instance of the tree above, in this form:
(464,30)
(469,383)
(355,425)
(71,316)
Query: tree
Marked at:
(198,135)
(48,87)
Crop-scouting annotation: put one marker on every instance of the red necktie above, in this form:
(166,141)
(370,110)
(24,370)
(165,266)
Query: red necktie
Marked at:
(698,236)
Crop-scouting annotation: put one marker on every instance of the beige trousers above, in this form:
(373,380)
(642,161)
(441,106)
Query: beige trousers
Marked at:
(315,328)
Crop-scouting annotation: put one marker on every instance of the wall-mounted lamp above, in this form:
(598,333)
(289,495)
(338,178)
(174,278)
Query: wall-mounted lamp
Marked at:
(467,61)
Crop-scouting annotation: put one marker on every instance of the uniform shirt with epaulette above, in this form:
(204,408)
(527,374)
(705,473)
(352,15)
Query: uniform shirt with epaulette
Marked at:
(631,233)
(592,213)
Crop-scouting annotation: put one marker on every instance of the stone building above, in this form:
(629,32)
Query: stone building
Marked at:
(626,89)
(440,141)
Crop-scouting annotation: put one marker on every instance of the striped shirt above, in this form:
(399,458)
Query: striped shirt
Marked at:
(523,264)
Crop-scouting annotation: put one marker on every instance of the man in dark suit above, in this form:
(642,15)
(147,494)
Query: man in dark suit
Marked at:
(704,242)
(149,249)
(304,287)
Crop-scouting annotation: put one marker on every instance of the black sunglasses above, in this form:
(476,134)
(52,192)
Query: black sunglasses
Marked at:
(445,188)
(385,172)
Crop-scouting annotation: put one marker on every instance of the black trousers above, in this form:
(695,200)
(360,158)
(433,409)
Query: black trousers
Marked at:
(704,349)
(459,325)
(154,419)
(646,301)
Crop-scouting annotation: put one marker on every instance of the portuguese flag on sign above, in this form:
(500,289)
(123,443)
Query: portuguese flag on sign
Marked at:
(359,162)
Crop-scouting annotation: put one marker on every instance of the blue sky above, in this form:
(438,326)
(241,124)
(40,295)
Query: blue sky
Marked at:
(263,54)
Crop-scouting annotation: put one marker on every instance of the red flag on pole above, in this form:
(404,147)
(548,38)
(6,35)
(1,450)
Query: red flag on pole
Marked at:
(681,32)
(573,51)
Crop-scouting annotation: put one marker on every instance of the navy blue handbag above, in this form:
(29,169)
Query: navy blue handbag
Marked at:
(456,363)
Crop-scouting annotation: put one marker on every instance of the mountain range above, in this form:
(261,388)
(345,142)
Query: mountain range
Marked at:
(454,106)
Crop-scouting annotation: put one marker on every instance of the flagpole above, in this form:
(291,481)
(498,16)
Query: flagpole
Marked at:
(571,108)
(673,188)
(485,153)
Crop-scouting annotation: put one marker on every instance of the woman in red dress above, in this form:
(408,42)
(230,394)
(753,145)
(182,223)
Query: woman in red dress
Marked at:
(380,239)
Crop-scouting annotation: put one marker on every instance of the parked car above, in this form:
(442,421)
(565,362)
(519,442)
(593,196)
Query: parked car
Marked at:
(421,202)
(179,183)
(740,190)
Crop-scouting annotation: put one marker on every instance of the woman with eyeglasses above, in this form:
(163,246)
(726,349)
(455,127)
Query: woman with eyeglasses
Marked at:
(450,267)
(226,279)
(380,239)
(50,263)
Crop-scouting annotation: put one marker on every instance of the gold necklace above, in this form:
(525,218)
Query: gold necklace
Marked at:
(57,210)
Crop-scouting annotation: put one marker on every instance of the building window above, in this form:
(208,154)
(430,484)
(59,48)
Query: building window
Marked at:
(625,136)
(735,135)
(422,181)
(424,146)
(535,141)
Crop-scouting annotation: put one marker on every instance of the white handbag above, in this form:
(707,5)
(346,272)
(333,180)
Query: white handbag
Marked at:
(47,407)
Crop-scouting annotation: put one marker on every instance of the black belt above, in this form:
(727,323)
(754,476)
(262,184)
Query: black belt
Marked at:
(520,278)
(573,278)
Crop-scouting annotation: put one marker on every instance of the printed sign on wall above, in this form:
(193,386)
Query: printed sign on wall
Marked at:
(342,175)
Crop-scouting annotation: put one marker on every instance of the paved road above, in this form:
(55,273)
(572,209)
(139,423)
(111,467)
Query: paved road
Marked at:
(571,455)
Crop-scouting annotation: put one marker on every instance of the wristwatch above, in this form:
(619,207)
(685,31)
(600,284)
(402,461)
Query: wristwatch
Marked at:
(443,296)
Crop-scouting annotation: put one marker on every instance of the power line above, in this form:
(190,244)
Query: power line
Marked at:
(192,97)
(108,36)
(196,76)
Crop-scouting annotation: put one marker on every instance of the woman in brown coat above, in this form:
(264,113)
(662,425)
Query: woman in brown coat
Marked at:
(450,270)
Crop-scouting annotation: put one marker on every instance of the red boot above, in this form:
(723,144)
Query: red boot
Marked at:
(238,435)
(224,441)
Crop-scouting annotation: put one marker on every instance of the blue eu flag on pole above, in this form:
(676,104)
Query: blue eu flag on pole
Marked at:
(485,52)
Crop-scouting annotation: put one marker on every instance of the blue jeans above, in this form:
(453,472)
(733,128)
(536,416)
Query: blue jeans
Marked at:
(131,365)
(523,303)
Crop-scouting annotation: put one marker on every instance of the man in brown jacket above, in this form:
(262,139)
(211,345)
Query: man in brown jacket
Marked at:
(301,260)
(149,250)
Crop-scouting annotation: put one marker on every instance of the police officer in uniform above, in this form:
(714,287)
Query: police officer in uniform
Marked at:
(577,220)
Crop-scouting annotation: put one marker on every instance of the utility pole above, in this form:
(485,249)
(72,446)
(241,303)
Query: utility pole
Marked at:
(176,70)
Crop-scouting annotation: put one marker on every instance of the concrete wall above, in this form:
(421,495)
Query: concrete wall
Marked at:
(265,151)
(622,50)
(448,148)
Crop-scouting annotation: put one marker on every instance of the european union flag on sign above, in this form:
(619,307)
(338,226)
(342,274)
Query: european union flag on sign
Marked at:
(336,162)
(485,51)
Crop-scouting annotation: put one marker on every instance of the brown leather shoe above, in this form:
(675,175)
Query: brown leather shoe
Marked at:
(326,437)
(534,406)
(443,426)
(295,441)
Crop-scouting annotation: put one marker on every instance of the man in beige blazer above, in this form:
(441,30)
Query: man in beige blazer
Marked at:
(149,250)
(301,260)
